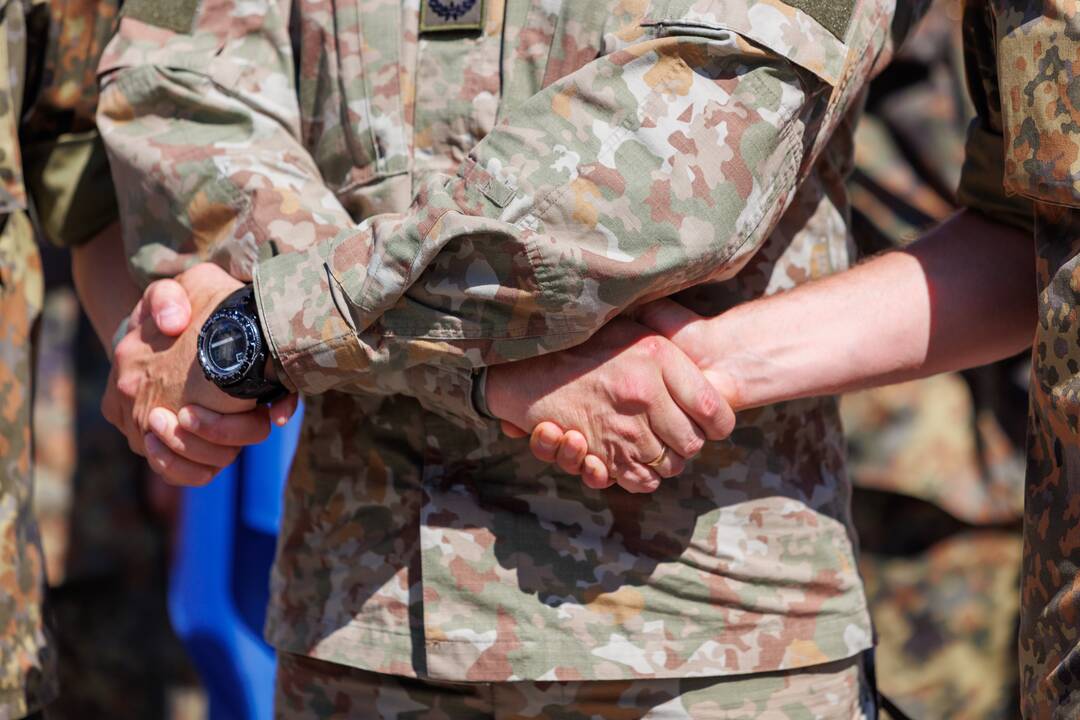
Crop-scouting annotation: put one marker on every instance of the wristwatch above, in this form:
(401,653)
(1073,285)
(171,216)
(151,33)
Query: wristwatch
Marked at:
(233,352)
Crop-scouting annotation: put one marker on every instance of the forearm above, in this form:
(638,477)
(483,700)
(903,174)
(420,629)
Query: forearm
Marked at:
(106,290)
(962,296)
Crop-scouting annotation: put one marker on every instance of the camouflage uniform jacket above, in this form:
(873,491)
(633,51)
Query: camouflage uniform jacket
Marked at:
(516,186)
(52,159)
(1022,168)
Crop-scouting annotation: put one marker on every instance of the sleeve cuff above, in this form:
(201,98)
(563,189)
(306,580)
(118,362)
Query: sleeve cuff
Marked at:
(309,333)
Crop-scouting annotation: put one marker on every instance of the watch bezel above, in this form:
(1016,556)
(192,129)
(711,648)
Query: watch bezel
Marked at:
(252,354)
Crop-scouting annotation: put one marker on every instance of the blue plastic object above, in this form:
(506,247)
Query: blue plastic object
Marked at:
(220,580)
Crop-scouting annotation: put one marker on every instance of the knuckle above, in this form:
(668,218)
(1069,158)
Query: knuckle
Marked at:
(676,467)
(633,434)
(691,446)
(709,405)
(653,346)
(629,389)
(212,432)
(127,384)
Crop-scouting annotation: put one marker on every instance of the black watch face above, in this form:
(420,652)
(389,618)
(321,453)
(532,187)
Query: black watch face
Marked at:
(228,345)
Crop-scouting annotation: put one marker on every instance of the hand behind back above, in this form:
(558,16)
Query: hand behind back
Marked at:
(637,407)
(157,394)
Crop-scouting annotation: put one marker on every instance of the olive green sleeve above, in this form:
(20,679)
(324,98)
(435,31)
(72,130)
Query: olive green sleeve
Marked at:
(68,179)
(66,169)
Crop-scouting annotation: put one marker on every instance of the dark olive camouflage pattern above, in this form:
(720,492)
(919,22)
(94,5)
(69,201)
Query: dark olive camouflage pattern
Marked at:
(1022,168)
(309,689)
(567,160)
(27,668)
(937,464)
(46,94)
(27,673)
(106,547)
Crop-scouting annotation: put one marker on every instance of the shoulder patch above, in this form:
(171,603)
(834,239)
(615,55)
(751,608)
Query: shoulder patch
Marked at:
(175,15)
(834,15)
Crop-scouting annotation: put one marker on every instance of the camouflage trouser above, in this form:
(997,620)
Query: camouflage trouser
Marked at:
(27,674)
(309,689)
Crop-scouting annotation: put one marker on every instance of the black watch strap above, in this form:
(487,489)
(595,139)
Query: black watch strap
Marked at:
(254,384)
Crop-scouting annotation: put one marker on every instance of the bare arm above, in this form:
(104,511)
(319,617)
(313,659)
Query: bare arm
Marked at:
(105,288)
(963,295)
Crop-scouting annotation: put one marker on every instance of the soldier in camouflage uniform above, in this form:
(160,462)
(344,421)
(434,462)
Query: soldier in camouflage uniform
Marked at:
(1020,168)
(645,148)
(50,159)
(105,557)
(27,670)
(937,464)
(968,292)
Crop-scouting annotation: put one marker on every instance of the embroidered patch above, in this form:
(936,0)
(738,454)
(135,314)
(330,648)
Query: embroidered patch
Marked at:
(456,15)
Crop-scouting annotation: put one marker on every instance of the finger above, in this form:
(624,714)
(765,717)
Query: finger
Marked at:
(511,430)
(282,411)
(237,430)
(167,302)
(680,437)
(544,442)
(174,468)
(167,428)
(666,317)
(571,453)
(594,473)
(699,400)
(638,479)
(669,465)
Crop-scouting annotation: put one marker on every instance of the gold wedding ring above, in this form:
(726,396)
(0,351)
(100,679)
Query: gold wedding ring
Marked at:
(655,463)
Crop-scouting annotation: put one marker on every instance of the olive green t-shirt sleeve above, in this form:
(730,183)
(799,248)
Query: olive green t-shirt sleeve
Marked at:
(982,185)
(68,179)
(64,161)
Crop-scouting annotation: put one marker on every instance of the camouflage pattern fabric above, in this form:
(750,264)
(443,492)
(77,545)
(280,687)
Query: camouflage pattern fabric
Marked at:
(567,160)
(309,689)
(105,554)
(27,672)
(49,57)
(937,464)
(27,664)
(106,550)
(1021,169)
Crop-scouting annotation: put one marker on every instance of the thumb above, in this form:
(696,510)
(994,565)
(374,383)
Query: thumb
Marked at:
(511,430)
(665,316)
(167,302)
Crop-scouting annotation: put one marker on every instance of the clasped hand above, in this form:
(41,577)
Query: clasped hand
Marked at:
(158,396)
(629,406)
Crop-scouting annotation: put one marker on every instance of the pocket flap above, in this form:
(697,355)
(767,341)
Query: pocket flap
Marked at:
(788,29)
(1039,74)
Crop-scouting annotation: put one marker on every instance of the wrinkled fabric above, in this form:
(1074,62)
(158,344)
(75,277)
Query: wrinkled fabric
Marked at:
(415,207)
(48,52)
